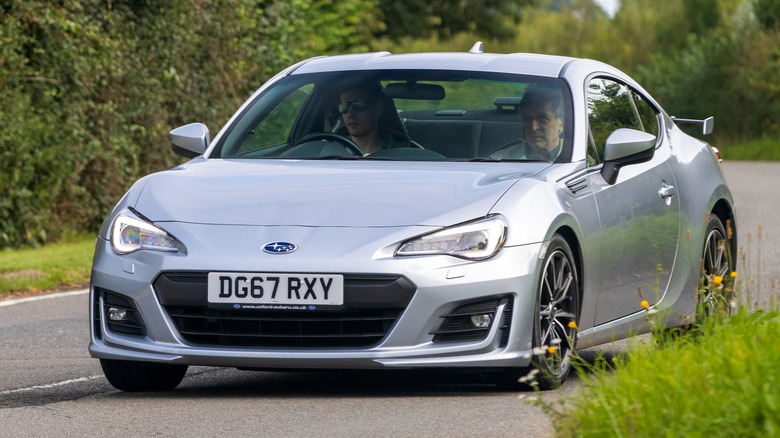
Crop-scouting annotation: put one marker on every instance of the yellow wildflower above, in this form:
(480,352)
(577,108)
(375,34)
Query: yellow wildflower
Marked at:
(644,304)
(733,274)
(551,350)
(717,280)
(572,325)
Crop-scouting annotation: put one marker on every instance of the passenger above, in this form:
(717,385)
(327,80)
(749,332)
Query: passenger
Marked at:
(543,115)
(362,107)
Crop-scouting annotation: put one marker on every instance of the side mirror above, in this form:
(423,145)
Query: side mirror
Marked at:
(624,147)
(191,140)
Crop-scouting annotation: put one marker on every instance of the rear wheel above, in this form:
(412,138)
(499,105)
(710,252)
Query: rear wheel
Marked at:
(142,376)
(555,320)
(716,262)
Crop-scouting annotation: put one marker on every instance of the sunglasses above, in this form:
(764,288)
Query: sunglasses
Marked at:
(359,105)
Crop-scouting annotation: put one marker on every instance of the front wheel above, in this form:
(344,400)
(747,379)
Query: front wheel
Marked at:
(555,320)
(142,376)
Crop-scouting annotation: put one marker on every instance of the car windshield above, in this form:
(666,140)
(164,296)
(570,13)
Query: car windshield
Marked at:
(405,115)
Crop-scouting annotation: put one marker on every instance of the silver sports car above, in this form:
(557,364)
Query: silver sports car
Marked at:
(469,211)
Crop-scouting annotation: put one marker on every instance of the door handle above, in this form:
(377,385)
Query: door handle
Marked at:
(666,192)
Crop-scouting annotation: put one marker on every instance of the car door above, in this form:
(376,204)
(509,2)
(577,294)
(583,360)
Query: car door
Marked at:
(639,213)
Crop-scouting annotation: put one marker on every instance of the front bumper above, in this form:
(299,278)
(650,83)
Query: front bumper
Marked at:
(440,286)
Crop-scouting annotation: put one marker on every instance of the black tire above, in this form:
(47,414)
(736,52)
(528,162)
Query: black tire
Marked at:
(142,376)
(716,261)
(557,305)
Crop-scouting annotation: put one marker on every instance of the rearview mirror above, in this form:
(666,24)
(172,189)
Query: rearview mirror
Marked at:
(624,147)
(191,140)
(414,90)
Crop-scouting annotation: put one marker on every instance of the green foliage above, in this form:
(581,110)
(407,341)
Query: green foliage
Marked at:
(721,382)
(732,72)
(698,58)
(445,18)
(89,90)
(768,13)
(760,149)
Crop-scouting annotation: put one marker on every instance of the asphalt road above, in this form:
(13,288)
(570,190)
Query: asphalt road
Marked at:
(49,386)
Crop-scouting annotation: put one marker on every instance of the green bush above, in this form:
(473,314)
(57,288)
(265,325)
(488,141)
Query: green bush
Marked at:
(89,90)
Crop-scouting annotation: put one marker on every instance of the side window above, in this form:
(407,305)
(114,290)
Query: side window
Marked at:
(647,115)
(275,128)
(610,107)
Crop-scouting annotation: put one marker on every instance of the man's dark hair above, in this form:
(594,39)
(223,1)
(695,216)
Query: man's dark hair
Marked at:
(373,89)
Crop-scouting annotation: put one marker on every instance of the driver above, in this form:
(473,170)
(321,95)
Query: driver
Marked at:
(361,107)
(543,114)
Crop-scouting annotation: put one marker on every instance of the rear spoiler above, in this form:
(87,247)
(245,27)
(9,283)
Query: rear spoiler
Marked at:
(706,124)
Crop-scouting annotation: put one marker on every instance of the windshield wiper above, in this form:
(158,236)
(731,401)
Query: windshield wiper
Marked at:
(504,160)
(354,157)
(324,157)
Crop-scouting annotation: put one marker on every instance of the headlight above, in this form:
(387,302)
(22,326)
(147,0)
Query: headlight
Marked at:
(476,240)
(130,233)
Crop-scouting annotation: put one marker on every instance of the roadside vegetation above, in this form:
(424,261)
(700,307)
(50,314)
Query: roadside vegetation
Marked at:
(717,378)
(89,89)
(761,149)
(63,265)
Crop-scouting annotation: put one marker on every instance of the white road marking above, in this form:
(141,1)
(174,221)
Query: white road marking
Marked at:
(6,303)
(50,385)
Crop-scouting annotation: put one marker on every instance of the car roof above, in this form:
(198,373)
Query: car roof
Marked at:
(532,64)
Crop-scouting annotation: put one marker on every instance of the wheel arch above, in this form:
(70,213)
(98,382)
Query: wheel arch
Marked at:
(724,211)
(573,241)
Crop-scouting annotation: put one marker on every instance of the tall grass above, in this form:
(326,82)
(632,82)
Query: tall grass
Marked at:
(723,382)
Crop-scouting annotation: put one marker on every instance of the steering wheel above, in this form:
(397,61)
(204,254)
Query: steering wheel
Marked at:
(349,144)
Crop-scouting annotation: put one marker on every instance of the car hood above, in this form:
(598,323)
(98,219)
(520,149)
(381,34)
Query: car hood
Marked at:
(327,193)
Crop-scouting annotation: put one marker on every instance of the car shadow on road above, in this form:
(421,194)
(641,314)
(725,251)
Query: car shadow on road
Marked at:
(209,382)
(228,382)
(205,382)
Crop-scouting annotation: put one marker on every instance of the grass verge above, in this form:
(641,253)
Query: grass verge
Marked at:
(762,149)
(54,266)
(721,380)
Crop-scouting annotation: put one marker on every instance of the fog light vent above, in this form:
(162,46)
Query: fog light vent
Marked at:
(468,323)
(121,315)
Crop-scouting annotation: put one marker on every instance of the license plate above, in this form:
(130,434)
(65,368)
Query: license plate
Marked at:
(250,288)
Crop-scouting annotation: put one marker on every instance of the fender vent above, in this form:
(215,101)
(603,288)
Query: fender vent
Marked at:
(577,184)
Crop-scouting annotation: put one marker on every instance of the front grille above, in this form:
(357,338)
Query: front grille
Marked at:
(299,329)
(372,304)
(457,326)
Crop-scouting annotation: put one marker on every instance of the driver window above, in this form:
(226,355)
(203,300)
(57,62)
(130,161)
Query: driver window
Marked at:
(647,114)
(610,107)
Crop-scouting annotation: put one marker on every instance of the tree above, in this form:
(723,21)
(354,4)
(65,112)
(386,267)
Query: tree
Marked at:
(89,90)
(445,18)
